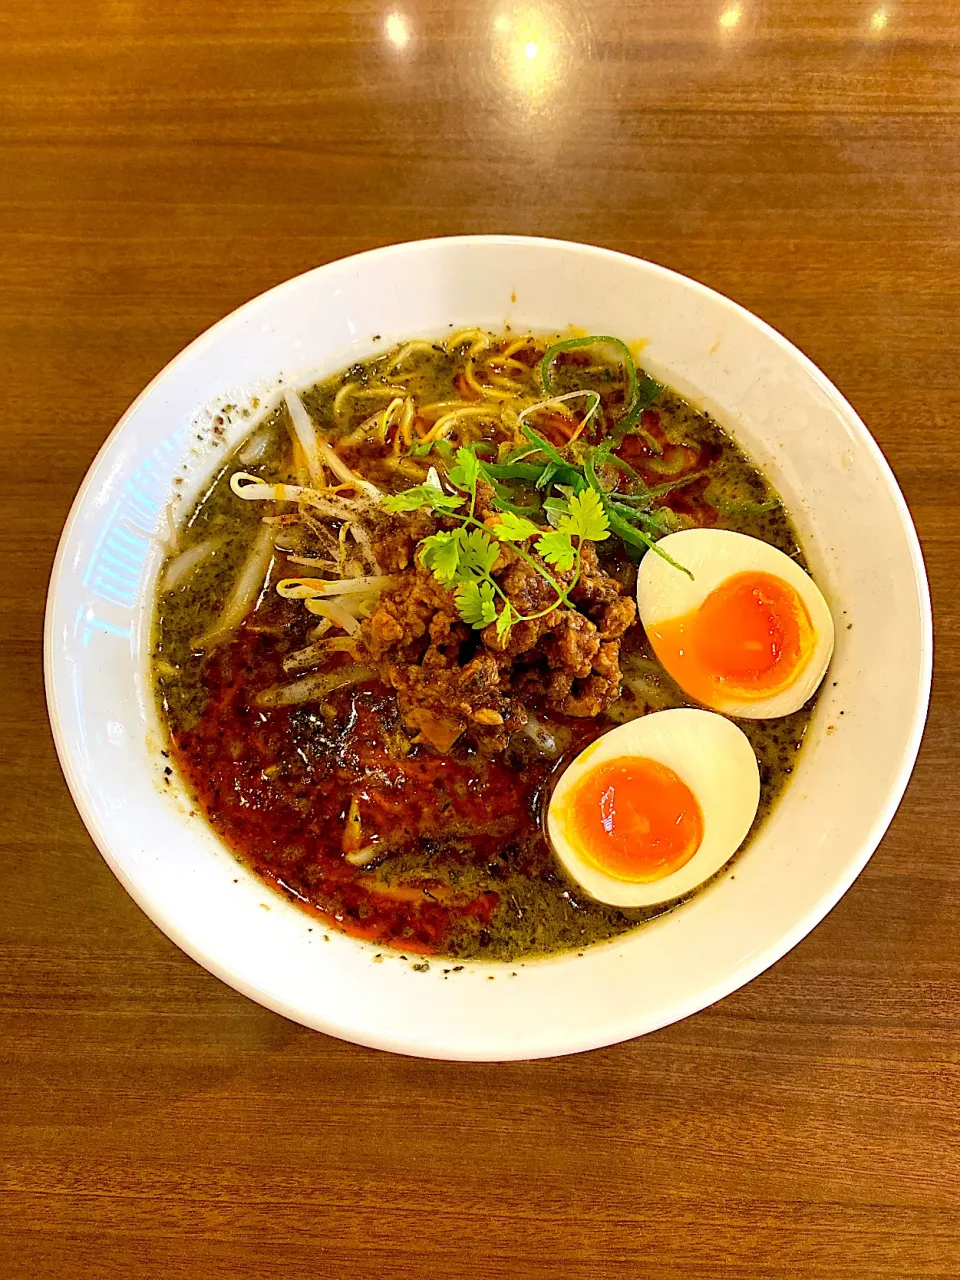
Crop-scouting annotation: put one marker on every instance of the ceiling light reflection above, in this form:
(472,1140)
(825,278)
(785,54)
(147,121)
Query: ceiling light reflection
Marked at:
(397,30)
(730,17)
(879,20)
(532,50)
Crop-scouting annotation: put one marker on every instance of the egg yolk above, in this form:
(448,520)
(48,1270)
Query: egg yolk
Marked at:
(634,819)
(749,639)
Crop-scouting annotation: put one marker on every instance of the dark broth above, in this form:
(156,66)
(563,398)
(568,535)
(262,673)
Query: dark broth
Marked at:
(474,876)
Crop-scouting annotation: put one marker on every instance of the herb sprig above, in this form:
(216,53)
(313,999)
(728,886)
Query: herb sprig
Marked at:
(463,558)
(632,509)
(571,489)
(632,516)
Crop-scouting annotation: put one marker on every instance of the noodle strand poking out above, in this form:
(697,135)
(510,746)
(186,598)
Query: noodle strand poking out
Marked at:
(378,425)
(478,339)
(443,427)
(356,390)
(407,350)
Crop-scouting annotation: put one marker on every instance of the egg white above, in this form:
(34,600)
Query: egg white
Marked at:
(713,556)
(707,752)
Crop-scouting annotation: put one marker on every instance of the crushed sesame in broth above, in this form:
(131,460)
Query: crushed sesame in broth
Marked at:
(468,872)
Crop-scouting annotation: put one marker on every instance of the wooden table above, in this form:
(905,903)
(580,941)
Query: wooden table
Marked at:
(162,162)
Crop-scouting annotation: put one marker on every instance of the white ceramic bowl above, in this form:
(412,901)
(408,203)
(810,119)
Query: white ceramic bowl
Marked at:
(852,772)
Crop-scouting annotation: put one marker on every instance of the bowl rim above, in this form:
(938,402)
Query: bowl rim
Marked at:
(740,974)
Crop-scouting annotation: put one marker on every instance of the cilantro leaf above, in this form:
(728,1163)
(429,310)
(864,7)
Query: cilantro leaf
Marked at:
(465,474)
(514,528)
(475,603)
(586,517)
(422,495)
(557,549)
(478,552)
(505,620)
(409,500)
(440,553)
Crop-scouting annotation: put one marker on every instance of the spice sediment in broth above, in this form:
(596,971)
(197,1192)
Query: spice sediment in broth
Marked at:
(467,871)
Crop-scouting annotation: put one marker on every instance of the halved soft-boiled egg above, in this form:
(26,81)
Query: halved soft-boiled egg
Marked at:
(655,807)
(749,634)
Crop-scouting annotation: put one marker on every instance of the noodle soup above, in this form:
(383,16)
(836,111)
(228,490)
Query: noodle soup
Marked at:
(405,605)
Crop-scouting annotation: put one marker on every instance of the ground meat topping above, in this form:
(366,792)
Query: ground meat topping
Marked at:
(452,681)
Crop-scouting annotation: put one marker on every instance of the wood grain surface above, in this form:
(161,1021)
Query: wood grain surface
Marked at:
(161,163)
